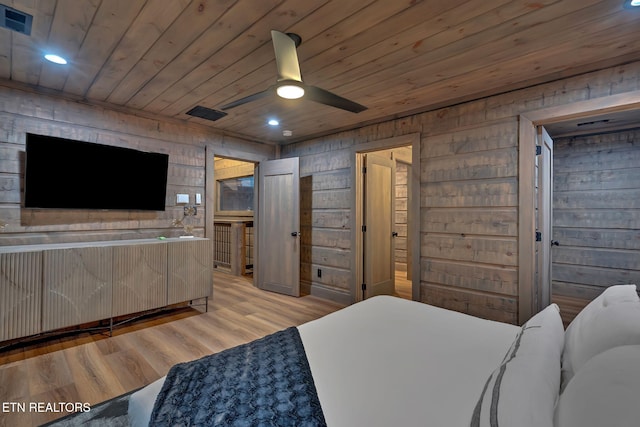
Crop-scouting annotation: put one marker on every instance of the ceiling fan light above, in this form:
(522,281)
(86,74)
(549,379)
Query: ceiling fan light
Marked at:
(290,91)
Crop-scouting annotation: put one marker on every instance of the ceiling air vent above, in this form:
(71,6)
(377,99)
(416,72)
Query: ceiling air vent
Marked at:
(206,113)
(15,20)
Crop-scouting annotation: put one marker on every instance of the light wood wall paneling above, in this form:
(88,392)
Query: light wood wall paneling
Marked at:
(326,218)
(596,215)
(488,128)
(591,278)
(472,275)
(481,304)
(27,111)
(469,191)
(325,199)
(497,221)
(400,225)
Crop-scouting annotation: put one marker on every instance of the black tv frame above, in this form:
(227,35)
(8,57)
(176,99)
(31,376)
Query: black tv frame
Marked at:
(63,173)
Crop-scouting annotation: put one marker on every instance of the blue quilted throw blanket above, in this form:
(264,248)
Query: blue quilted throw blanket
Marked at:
(266,382)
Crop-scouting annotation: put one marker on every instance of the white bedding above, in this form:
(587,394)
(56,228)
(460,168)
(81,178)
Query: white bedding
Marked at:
(388,361)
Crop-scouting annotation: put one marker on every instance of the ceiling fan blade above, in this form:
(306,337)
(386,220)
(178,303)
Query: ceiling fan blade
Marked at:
(286,56)
(322,96)
(247,99)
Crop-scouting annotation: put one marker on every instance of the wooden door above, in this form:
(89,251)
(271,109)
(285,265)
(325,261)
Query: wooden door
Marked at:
(379,212)
(278,258)
(545,217)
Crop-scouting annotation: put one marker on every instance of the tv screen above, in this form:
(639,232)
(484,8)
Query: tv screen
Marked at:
(66,174)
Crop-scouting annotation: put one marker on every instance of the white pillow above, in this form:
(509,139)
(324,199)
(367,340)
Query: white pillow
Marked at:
(524,389)
(610,320)
(604,392)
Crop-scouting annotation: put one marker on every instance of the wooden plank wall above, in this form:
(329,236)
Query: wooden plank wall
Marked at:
(325,215)
(468,187)
(25,111)
(401,216)
(596,216)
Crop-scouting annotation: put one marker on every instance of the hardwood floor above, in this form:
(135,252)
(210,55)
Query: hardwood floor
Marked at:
(91,368)
(403,286)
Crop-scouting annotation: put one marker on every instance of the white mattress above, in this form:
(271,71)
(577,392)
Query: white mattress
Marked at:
(388,361)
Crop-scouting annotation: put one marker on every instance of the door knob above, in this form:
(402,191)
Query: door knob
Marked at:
(394,234)
(295,234)
(555,243)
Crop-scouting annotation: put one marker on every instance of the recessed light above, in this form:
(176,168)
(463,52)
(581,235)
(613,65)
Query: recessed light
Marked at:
(631,4)
(273,122)
(55,59)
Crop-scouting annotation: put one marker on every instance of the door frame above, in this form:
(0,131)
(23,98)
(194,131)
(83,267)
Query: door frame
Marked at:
(357,214)
(528,123)
(545,214)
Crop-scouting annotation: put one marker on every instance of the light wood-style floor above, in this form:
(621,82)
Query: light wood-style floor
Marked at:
(95,367)
(403,285)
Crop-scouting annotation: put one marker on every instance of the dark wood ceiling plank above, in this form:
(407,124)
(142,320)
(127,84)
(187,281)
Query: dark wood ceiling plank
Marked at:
(397,58)
(111,21)
(26,51)
(446,54)
(155,17)
(408,27)
(497,66)
(235,21)
(243,43)
(209,88)
(5,53)
(350,25)
(69,27)
(447,28)
(513,74)
(403,45)
(193,20)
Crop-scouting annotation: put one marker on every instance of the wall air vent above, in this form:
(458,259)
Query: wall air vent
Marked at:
(15,20)
(206,113)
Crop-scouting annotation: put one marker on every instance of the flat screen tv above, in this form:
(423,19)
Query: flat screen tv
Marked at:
(66,174)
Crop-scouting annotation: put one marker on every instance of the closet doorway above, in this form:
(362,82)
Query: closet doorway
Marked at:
(386,254)
(607,113)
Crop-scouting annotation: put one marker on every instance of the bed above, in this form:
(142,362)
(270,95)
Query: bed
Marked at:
(388,361)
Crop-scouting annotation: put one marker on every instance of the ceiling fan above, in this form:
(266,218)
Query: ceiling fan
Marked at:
(289,84)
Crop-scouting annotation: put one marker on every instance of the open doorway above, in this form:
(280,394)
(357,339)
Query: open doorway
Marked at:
(386,223)
(234,196)
(610,114)
(400,161)
(595,210)
(254,224)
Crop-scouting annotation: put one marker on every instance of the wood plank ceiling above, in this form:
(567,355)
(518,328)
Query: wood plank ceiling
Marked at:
(396,57)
